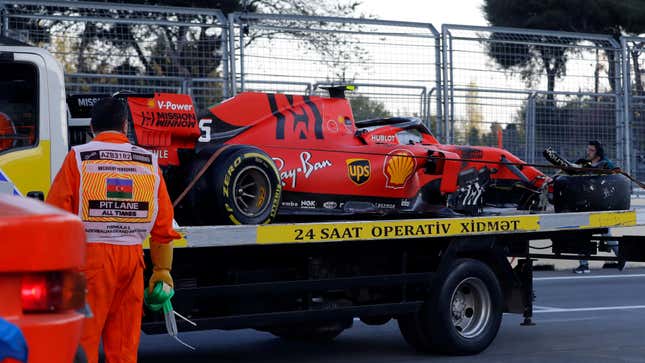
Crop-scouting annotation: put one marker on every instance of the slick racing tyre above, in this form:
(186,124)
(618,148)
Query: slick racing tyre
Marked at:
(241,187)
(578,193)
(247,187)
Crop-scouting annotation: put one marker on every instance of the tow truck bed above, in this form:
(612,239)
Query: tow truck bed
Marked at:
(285,278)
(221,236)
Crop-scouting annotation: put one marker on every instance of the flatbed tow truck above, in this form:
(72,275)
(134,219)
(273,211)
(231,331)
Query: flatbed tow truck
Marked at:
(447,281)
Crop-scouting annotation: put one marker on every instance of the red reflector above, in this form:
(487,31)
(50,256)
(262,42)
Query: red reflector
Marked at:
(53,291)
(35,293)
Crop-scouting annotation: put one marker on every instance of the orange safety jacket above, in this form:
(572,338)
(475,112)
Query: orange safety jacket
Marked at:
(118,191)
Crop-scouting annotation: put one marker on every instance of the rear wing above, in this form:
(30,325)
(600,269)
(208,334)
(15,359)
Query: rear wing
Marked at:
(79,113)
(79,106)
(163,123)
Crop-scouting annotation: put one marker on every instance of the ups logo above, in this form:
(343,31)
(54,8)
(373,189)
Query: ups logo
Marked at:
(358,170)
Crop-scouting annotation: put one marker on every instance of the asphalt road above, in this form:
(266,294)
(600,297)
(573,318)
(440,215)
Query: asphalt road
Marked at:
(592,318)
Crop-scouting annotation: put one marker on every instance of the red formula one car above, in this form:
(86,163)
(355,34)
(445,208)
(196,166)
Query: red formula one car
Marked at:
(256,156)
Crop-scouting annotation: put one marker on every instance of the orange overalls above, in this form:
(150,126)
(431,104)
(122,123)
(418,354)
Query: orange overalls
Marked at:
(114,269)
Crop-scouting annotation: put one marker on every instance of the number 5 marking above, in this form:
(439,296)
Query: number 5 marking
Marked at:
(205,128)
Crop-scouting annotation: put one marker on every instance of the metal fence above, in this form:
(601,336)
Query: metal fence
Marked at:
(110,47)
(523,89)
(393,64)
(540,88)
(634,96)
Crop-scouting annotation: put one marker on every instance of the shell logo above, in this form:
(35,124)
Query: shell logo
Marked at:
(398,167)
(151,103)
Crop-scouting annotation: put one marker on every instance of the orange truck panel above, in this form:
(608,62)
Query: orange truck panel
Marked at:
(39,239)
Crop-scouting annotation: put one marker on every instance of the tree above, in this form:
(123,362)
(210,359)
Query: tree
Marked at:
(122,47)
(586,16)
(364,108)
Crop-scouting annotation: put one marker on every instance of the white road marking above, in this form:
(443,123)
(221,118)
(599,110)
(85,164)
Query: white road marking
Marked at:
(547,309)
(590,277)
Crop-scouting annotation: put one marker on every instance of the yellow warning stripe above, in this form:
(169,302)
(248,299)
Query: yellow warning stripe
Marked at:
(612,219)
(426,228)
(220,236)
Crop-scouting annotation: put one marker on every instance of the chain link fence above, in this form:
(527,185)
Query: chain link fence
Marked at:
(529,89)
(518,88)
(634,95)
(111,47)
(394,65)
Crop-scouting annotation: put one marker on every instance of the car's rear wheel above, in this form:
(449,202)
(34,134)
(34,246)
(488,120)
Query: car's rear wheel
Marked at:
(242,186)
(247,187)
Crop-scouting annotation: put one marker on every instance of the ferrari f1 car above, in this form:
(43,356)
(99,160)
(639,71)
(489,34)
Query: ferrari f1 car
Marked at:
(258,156)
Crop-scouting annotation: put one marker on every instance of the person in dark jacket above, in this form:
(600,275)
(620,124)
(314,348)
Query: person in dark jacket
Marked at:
(596,159)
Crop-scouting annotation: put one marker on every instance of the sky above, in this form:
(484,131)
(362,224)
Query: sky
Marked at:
(436,12)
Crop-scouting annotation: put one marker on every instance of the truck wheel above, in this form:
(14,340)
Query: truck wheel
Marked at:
(465,311)
(578,193)
(245,185)
(461,316)
(413,333)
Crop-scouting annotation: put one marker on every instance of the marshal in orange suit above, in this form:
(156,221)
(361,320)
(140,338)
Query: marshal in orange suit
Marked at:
(117,190)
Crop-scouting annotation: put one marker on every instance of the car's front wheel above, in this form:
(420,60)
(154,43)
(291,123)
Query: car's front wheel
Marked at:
(579,193)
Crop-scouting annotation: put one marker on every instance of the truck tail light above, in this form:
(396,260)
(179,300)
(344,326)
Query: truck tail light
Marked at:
(52,291)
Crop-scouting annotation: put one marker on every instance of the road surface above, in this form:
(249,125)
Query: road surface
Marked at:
(593,318)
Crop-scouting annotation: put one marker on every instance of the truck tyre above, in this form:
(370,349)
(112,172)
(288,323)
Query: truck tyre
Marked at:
(462,314)
(413,333)
(580,193)
(465,311)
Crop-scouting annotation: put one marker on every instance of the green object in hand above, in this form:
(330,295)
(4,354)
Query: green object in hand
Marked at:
(159,298)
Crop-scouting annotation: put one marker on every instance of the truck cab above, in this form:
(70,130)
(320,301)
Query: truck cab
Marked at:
(33,119)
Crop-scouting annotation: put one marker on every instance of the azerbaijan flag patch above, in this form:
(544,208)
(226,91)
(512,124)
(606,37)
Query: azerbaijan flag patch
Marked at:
(119,188)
